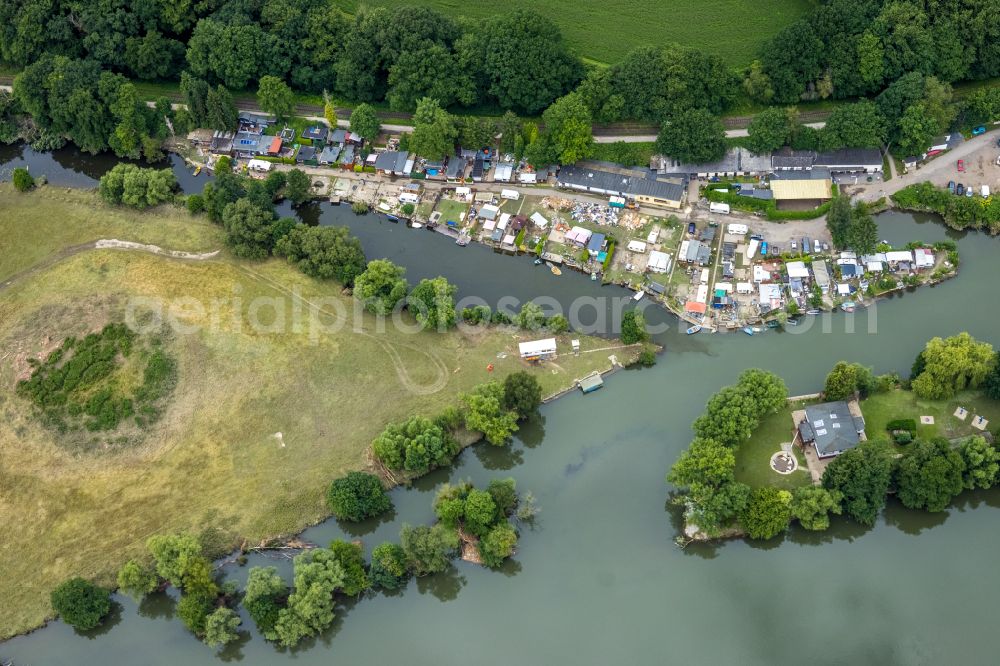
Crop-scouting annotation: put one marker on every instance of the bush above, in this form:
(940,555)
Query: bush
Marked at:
(22,180)
(910,425)
(522,393)
(497,545)
(408,208)
(768,513)
(416,445)
(195,204)
(137,187)
(633,328)
(647,357)
(357,496)
(388,566)
(80,603)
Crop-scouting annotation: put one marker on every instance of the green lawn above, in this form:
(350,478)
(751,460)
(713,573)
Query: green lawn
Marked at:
(881,408)
(451,210)
(753,458)
(604,32)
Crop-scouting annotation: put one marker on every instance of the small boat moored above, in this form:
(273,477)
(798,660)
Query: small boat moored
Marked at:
(773,323)
(848,306)
(392,218)
(538,261)
(814,312)
(593,276)
(694,329)
(416,225)
(748,330)
(638,295)
(555,269)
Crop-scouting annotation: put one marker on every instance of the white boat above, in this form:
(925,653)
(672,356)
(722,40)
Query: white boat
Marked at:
(638,295)
(848,306)
(416,225)
(694,329)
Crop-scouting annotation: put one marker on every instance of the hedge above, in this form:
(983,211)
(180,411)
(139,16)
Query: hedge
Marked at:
(909,425)
(767,206)
(277,160)
(607,259)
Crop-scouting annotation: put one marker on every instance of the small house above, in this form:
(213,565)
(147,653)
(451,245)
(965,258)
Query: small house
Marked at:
(328,155)
(455,171)
(306,155)
(659,262)
(539,220)
(338,136)
(831,428)
(578,236)
(538,350)
(637,246)
(923,258)
(596,244)
(315,133)
(504,172)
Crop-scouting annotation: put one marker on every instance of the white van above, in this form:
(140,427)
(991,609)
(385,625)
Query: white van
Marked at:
(721,208)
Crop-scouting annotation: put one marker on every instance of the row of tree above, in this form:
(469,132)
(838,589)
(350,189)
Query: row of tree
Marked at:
(957,212)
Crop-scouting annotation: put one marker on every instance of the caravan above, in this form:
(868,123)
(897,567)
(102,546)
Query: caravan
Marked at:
(721,208)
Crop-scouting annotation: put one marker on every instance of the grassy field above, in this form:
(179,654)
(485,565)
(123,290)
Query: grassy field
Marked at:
(214,464)
(753,458)
(881,408)
(604,32)
(50,219)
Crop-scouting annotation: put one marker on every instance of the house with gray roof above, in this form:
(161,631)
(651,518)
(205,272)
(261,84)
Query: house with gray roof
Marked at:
(392,162)
(736,162)
(832,428)
(329,155)
(641,186)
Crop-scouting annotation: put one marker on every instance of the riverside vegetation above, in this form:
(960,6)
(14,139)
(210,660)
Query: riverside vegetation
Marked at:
(925,472)
(63,288)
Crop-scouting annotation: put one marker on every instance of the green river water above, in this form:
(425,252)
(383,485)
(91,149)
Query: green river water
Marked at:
(599,580)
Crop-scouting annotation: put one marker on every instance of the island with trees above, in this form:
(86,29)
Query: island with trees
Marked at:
(928,440)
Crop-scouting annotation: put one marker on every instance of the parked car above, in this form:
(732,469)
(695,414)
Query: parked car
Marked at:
(968,192)
(951,186)
(976,131)
(691,228)
(795,245)
(961,166)
(960,189)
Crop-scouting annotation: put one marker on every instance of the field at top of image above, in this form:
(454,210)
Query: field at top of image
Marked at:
(605,31)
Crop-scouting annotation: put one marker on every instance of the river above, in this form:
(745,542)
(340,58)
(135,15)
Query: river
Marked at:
(598,579)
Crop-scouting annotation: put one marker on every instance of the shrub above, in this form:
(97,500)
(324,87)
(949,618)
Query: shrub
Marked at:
(633,327)
(416,445)
(80,603)
(22,179)
(647,357)
(408,208)
(195,203)
(910,425)
(357,496)
(497,545)
(522,393)
(767,514)
(388,566)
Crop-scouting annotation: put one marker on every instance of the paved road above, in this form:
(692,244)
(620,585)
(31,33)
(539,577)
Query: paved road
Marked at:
(943,164)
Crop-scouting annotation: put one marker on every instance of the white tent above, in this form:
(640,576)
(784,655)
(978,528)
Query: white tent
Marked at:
(539,220)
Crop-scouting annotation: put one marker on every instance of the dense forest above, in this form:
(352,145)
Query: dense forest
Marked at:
(77,59)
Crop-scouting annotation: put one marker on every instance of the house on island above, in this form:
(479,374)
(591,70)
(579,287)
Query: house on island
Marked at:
(832,428)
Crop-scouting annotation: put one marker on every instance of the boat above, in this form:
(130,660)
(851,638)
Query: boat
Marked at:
(848,306)
(197,170)
(774,323)
(555,270)
(748,330)
(694,329)
(638,295)
(392,218)
(593,276)
(462,241)
(792,322)
(813,312)
(416,225)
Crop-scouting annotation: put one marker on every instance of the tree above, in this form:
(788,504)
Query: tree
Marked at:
(428,549)
(522,393)
(220,109)
(193,611)
(434,130)
(352,561)
(982,463)
(275,97)
(766,389)
(480,512)
(523,59)
(509,128)
(812,506)
(692,136)
(221,627)
(173,554)
(633,327)
(953,364)
(710,507)
(769,130)
(365,122)
(858,125)
(248,229)
(991,385)
(318,574)
(915,130)
(498,544)
(80,604)
(429,71)
(416,444)
(485,413)
(263,598)
(767,514)
(134,186)
(22,179)
(381,287)
(568,130)
(433,303)
(357,496)
(504,494)
(730,417)
(862,477)
(328,253)
(863,234)
(531,316)
(704,462)
(388,566)
(838,221)
(297,186)
(136,580)
(930,475)
(846,379)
